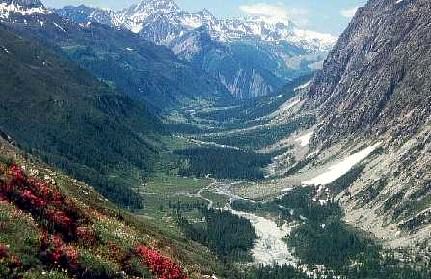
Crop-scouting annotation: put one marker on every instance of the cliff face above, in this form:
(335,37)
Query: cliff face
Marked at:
(375,87)
(376,80)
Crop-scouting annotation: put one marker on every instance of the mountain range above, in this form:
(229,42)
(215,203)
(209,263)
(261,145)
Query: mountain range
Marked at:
(140,69)
(281,51)
(149,105)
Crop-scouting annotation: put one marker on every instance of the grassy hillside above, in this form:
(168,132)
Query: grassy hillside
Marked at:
(56,227)
(54,109)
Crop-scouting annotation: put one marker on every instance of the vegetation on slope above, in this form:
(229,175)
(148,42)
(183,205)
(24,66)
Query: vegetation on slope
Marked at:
(229,236)
(139,68)
(62,235)
(63,114)
(110,241)
(261,136)
(223,163)
(236,112)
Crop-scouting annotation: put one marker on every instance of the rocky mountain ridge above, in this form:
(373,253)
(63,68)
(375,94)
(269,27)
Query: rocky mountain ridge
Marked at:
(23,3)
(139,17)
(282,51)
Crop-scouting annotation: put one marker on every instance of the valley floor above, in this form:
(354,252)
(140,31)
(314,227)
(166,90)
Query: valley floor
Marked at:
(251,164)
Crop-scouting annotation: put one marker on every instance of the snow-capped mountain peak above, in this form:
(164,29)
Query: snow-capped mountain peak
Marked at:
(135,17)
(163,21)
(165,14)
(160,6)
(23,3)
(23,7)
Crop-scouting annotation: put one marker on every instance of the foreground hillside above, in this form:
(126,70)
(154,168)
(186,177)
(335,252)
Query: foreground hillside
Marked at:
(56,227)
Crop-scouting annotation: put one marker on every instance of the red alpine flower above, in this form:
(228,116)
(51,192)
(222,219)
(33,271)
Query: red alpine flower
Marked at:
(160,265)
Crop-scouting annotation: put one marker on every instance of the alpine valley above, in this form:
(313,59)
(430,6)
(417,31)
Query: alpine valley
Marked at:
(153,142)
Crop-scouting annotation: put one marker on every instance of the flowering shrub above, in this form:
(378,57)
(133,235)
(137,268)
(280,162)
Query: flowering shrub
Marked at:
(42,201)
(43,190)
(55,251)
(4,251)
(32,200)
(59,218)
(159,265)
(85,235)
(16,172)
(64,225)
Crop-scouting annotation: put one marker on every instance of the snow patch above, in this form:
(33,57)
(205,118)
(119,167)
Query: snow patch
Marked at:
(59,27)
(303,86)
(305,139)
(341,168)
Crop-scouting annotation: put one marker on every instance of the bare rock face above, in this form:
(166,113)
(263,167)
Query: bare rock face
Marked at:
(375,86)
(376,80)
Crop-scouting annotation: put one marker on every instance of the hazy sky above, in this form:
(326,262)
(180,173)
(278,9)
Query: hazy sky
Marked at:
(330,16)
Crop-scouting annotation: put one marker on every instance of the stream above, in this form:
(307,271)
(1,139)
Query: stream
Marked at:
(270,247)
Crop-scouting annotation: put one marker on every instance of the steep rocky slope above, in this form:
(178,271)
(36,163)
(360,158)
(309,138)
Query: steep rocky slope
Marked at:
(375,80)
(375,87)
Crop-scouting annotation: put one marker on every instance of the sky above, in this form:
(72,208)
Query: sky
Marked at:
(329,16)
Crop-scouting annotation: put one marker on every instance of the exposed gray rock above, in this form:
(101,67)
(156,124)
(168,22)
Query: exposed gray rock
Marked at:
(376,86)
(376,80)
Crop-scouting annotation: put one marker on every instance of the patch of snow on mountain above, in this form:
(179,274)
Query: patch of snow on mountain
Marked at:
(341,168)
(303,86)
(5,50)
(305,139)
(313,39)
(59,27)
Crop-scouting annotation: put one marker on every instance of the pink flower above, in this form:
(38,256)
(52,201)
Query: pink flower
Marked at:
(161,266)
